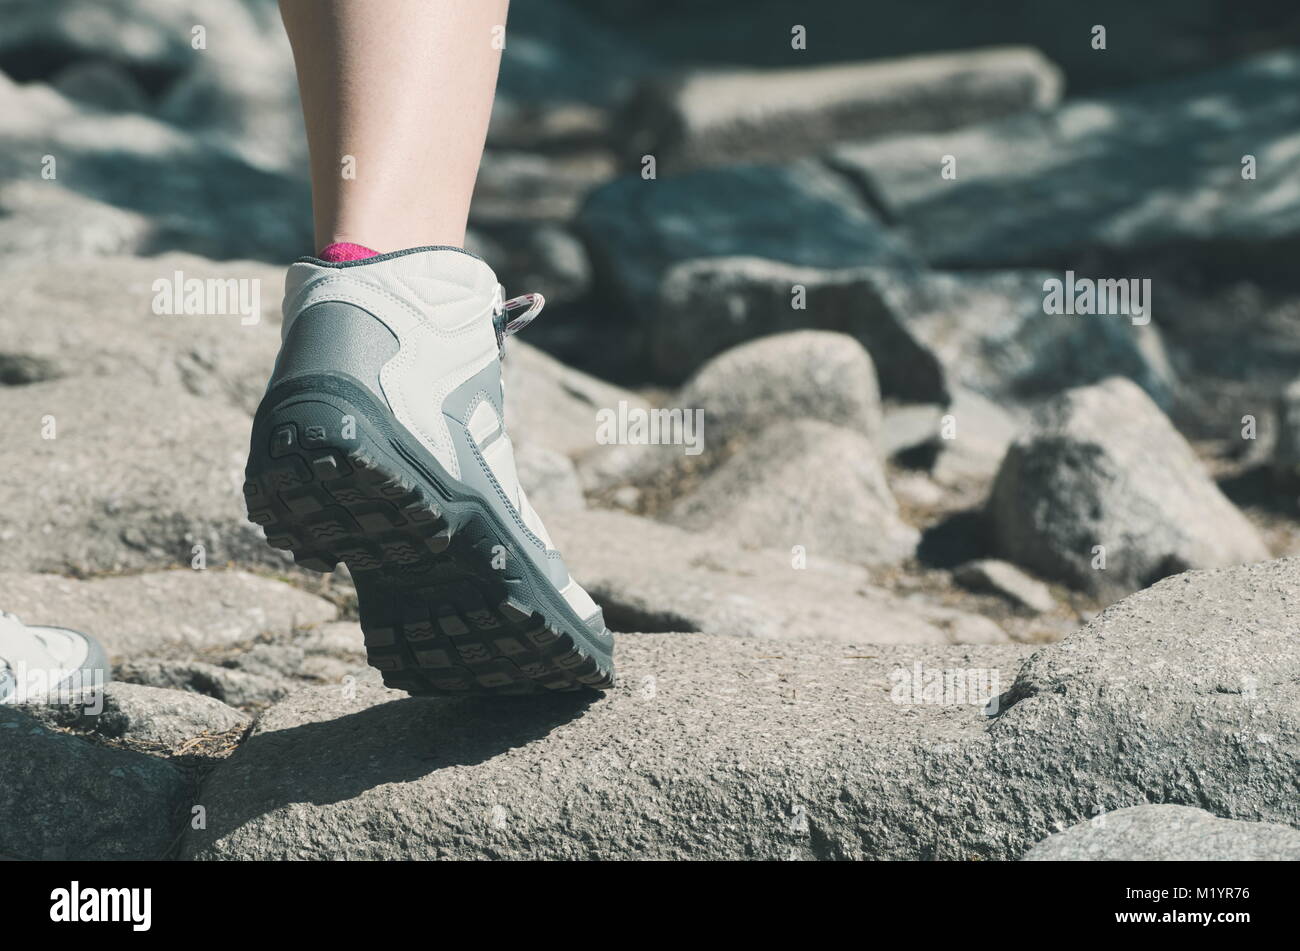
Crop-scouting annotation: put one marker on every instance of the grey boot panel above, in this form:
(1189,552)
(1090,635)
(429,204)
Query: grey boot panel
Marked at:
(336,337)
(477,474)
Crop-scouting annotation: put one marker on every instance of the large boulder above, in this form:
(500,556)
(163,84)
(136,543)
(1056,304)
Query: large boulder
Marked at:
(711,747)
(735,396)
(719,747)
(726,117)
(64,797)
(803,483)
(135,615)
(929,333)
(1103,494)
(802,375)
(1168,834)
(1147,176)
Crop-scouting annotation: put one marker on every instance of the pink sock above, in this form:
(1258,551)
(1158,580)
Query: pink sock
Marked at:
(345,251)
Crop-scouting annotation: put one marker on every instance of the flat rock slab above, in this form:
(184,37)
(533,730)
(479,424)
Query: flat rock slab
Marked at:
(720,747)
(225,353)
(1168,834)
(725,117)
(63,797)
(134,477)
(136,615)
(651,576)
(712,747)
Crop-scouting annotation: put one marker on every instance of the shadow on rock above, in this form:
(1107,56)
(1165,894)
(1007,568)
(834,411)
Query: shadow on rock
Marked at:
(336,760)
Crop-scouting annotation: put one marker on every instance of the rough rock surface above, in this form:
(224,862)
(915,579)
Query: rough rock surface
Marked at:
(230,685)
(802,375)
(708,118)
(1054,189)
(1102,466)
(929,333)
(224,356)
(63,797)
(134,477)
(716,747)
(712,747)
(803,483)
(140,614)
(652,576)
(1168,834)
(144,715)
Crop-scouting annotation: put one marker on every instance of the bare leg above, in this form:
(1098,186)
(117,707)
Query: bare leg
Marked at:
(404,88)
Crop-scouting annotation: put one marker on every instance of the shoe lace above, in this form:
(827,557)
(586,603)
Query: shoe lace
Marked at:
(507,326)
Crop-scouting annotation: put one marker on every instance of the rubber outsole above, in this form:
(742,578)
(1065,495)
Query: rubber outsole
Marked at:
(448,606)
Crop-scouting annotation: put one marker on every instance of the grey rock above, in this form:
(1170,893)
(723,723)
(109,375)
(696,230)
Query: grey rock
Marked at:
(1178,694)
(230,685)
(651,576)
(801,214)
(1122,181)
(145,715)
(136,615)
(929,334)
(1005,579)
(222,356)
(992,336)
(135,477)
(707,305)
(803,483)
(1168,834)
(711,747)
(64,797)
(338,638)
(549,478)
(727,117)
(1102,466)
(1286,454)
(802,375)
(43,219)
(718,747)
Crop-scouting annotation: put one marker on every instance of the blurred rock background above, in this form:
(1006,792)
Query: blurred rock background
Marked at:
(915,453)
